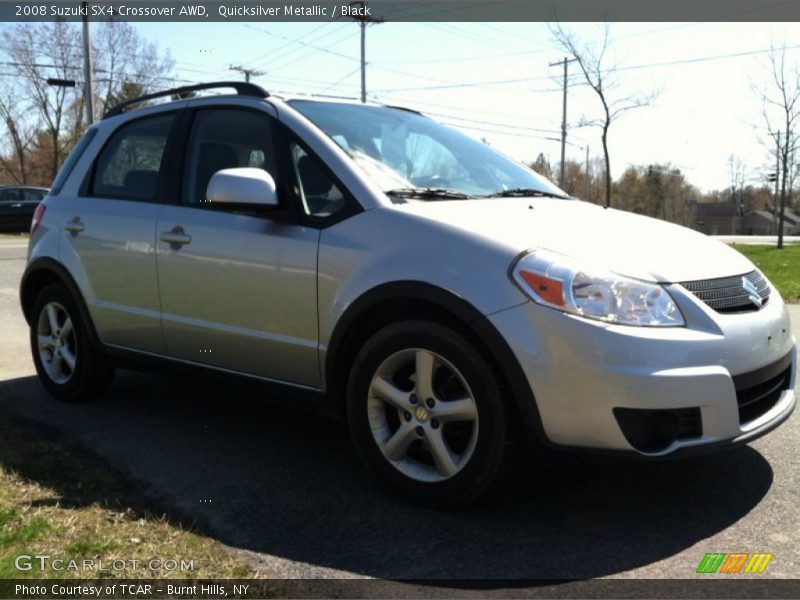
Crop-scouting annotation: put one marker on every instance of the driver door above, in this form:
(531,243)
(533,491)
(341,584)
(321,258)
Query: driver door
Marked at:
(238,290)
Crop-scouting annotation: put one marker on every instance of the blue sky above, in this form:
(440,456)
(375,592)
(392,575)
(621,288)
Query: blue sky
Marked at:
(493,81)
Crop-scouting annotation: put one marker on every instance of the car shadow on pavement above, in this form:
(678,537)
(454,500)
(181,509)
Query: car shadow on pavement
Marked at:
(270,479)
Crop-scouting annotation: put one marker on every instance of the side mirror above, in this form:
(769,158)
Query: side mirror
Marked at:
(244,186)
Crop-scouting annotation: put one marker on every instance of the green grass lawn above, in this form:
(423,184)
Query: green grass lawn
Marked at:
(782,267)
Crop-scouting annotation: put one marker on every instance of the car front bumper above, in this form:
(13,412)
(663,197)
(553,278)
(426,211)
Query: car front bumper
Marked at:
(584,374)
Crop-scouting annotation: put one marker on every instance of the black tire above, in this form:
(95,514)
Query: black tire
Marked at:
(490,460)
(92,373)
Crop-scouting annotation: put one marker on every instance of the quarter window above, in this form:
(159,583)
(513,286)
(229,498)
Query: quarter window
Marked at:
(130,164)
(321,197)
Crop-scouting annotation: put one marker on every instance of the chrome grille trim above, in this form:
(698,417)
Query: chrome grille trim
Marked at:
(726,294)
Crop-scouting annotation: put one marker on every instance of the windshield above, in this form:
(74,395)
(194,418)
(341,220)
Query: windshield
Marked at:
(409,155)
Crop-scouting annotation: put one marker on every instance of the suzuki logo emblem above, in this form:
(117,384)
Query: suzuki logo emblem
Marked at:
(752,292)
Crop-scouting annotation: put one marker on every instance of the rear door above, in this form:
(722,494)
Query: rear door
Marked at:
(108,237)
(238,289)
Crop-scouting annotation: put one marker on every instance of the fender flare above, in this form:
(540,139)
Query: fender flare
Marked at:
(480,326)
(53,267)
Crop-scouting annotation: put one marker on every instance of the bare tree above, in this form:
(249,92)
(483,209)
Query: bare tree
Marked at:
(19,137)
(781,111)
(125,66)
(40,52)
(599,73)
(738,172)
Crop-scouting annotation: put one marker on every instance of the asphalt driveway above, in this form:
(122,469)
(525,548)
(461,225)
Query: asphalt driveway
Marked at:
(285,486)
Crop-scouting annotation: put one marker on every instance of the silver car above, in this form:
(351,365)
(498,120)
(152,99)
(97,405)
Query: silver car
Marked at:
(452,305)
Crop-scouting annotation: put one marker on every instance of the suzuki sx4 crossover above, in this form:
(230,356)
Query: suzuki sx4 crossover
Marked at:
(452,305)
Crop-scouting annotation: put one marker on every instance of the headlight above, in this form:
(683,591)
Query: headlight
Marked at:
(561,282)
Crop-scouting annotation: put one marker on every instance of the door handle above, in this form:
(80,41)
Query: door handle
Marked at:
(74,226)
(17,205)
(175,236)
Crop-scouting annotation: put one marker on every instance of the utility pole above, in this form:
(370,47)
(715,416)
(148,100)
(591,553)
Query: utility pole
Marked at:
(588,185)
(363,25)
(777,180)
(359,12)
(565,62)
(784,176)
(88,97)
(247,72)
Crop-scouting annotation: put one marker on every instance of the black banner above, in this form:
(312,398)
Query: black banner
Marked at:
(145,589)
(405,10)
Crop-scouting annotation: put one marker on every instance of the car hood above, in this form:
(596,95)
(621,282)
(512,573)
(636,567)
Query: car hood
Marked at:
(623,242)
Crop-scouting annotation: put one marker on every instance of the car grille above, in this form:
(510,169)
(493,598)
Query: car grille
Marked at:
(727,294)
(758,391)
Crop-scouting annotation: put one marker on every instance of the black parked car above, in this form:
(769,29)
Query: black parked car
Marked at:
(17,203)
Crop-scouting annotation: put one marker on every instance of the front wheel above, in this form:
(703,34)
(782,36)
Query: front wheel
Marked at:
(428,414)
(67,364)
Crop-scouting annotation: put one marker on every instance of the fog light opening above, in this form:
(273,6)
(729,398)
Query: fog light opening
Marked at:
(648,430)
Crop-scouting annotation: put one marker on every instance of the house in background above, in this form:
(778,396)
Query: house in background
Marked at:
(716,218)
(764,222)
(728,218)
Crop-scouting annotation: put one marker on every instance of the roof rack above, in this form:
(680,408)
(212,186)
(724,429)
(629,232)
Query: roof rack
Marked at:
(242,88)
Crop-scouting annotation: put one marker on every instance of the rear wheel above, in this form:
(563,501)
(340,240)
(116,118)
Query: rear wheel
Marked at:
(428,415)
(67,364)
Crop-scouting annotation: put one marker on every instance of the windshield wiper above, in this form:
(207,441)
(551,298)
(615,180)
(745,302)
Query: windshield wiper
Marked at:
(429,193)
(522,192)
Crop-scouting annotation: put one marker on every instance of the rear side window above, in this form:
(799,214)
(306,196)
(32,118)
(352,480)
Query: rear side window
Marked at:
(12,195)
(33,195)
(129,165)
(72,159)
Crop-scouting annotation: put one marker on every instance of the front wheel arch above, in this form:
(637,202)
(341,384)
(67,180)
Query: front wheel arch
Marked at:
(395,301)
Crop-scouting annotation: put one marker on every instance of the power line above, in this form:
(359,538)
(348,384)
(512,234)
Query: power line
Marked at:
(339,54)
(301,47)
(492,123)
(465,58)
(274,50)
(470,111)
(474,84)
(339,81)
(303,44)
(497,132)
(704,58)
(628,68)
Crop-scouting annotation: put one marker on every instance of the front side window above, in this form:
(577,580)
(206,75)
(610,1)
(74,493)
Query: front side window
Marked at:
(225,139)
(402,150)
(129,165)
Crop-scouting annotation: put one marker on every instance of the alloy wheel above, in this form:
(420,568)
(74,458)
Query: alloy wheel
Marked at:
(423,415)
(56,343)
